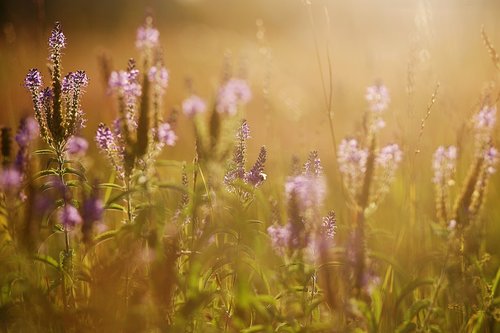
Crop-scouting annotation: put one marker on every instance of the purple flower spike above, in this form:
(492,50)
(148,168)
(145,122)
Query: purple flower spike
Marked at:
(243,132)
(158,76)
(444,165)
(310,191)
(57,40)
(166,134)
(193,105)
(104,137)
(329,225)
(147,38)
(75,82)
(377,97)
(491,158)
(233,93)
(93,209)
(280,237)
(69,216)
(10,180)
(33,80)
(28,131)
(77,146)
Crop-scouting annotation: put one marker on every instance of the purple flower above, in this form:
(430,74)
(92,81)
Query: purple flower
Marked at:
(10,180)
(233,93)
(313,166)
(193,105)
(352,164)
(309,191)
(485,119)
(256,175)
(159,76)
(377,97)
(77,146)
(329,225)
(69,216)
(125,83)
(166,134)
(93,209)
(243,132)
(46,97)
(147,38)
(27,132)
(57,40)
(491,160)
(104,137)
(33,80)
(444,165)
(280,237)
(75,81)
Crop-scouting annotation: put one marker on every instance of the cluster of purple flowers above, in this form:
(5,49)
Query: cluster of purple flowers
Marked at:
(305,193)
(109,144)
(444,165)
(378,100)
(236,174)
(232,94)
(57,109)
(352,164)
(193,105)
(147,37)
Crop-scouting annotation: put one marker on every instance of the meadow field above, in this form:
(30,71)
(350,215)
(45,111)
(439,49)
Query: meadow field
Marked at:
(249,166)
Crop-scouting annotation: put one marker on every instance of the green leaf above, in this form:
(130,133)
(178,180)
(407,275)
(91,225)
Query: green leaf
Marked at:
(44,152)
(45,173)
(111,186)
(75,172)
(411,287)
(114,206)
(47,260)
(253,329)
(417,307)
(406,327)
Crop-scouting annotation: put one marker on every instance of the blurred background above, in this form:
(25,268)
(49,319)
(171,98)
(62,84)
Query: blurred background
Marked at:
(283,48)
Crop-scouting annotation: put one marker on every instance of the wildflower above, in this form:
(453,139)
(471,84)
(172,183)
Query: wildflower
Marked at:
(256,175)
(280,237)
(309,191)
(491,160)
(77,146)
(193,105)
(33,80)
(104,137)
(10,180)
(27,132)
(377,97)
(125,83)
(388,160)
(485,119)
(106,142)
(313,165)
(69,216)
(159,76)
(236,172)
(166,134)
(74,82)
(57,40)
(352,164)
(232,94)
(329,225)
(92,209)
(147,37)
(444,165)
